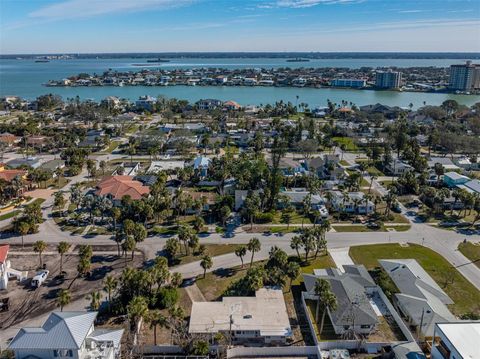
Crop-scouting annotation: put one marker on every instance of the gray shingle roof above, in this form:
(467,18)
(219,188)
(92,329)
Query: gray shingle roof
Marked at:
(61,330)
(349,289)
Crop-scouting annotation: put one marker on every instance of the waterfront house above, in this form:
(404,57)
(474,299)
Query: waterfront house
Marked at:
(353,288)
(208,104)
(67,335)
(420,300)
(145,103)
(259,320)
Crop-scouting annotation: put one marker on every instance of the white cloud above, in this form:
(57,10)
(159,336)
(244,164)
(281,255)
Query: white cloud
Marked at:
(71,9)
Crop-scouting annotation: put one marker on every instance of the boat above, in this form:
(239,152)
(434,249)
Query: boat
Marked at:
(298,59)
(158,60)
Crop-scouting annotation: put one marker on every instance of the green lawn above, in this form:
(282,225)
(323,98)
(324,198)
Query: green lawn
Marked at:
(9,215)
(465,296)
(344,163)
(402,228)
(296,218)
(357,228)
(347,141)
(374,171)
(212,249)
(38,200)
(471,251)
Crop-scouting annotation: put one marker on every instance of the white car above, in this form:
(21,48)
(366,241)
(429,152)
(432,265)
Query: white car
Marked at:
(39,278)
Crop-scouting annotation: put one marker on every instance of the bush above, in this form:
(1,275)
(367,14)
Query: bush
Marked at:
(166,297)
(264,217)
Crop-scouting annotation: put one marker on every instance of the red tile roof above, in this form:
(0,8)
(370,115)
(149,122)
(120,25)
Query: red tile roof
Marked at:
(119,186)
(3,253)
(9,175)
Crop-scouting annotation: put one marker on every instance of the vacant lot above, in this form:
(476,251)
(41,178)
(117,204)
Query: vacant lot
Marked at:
(26,303)
(462,292)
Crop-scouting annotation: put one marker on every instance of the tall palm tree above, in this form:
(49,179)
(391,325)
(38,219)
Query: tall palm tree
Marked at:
(241,252)
(206,263)
(62,248)
(64,298)
(325,299)
(95,300)
(137,309)
(253,246)
(22,228)
(295,243)
(109,287)
(39,247)
(156,318)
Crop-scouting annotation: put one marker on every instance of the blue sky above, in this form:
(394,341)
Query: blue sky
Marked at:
(50,26)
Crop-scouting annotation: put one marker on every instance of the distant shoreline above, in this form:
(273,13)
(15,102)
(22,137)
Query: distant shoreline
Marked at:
(281,55)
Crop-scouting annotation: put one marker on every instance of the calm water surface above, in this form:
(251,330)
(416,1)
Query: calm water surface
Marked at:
(25,78)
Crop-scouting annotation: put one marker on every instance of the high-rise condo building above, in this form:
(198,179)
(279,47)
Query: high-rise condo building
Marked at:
(388,79)
(465,77)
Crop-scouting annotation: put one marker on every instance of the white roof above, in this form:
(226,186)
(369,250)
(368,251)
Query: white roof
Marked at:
(156,166)
(266,312)
(464,336)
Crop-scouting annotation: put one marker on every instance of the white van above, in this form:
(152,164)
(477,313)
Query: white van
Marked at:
(39,278)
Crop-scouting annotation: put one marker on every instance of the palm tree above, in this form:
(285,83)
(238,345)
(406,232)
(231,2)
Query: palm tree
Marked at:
(63,298)
(23,228)
(241,252)
(62,248)
(372,178)
(109,286)
(137,309)
(293,271)
(129,245)
(253,246)
(39,247)
(95,300)
(295,243)
(206,263)
(325,299)
(156,318)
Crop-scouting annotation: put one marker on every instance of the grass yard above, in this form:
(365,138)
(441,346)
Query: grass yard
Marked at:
(462,292)
(357,228)
(212,249)
(471,251)
(402,228)
(296,218)
(374,171)
(344,163)
(9,215)
(347,141)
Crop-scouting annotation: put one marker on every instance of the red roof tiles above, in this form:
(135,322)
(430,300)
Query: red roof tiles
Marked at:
(119,186)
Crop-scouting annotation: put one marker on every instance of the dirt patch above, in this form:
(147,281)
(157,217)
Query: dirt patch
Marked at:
(27,303)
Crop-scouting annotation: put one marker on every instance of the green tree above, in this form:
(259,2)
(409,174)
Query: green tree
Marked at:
(326,300)
(109,287)
(241,252)
(64,298)
(129,245)
(293,271)
(62,248)
(206,263)
(253,246)
(156,319)
(286,217)
(23,228)
(172,247)
(137,309)
(95,298)
(39,247)
(201,348)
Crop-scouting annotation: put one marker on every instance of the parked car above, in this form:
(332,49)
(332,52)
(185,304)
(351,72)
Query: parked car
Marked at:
(39,278)
(396,208)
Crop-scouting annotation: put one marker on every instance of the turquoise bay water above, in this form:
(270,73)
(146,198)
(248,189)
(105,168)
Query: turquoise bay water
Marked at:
(25,78)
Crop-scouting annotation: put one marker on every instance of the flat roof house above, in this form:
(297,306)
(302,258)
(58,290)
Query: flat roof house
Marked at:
(460,340)
(67,335)
(352,289)
(453,179)
(421,301)
(262,319)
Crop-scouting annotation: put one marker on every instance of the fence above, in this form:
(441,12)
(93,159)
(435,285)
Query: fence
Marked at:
(272,351)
